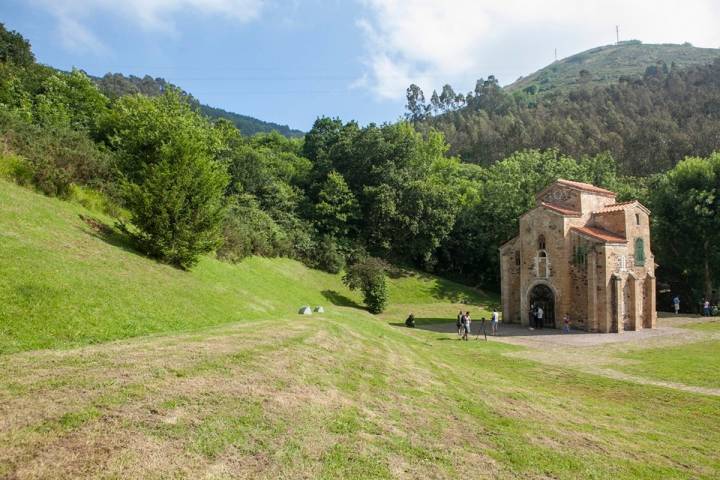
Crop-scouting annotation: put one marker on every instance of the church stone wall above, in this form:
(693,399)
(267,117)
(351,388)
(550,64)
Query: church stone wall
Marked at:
(606,289)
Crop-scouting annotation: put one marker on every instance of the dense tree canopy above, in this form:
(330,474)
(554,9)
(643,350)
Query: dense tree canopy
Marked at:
(648,124)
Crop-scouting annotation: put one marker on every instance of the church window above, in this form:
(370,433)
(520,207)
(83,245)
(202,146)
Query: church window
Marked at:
(639,252)
(541,242)
(580,254)
(542,265)
(622,263)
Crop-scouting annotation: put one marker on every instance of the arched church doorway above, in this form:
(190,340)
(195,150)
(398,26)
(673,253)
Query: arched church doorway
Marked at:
(542,296)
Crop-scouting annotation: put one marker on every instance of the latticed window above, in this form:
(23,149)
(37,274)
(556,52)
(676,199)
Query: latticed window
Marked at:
(580,254)
(639,252)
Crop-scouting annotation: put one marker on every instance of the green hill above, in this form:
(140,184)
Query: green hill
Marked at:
(69,279)
(606,65)
(116,85)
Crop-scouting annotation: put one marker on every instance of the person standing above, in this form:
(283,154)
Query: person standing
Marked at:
(676,304)
(706,308)
(460,324)
(494,322)
(467,325)
(533,317)
(566,323)
(539,315)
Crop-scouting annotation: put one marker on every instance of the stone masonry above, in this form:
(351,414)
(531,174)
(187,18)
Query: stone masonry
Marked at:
(581,253)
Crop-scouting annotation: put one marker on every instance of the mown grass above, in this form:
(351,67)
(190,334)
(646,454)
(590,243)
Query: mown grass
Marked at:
(231,383)
(695,364)
(707,325)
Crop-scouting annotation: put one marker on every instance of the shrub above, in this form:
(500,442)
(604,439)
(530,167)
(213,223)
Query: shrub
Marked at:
(247,230)
(15,168)
(55,158)
(368,276)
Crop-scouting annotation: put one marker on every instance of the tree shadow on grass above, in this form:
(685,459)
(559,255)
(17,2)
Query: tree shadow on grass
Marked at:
(434,324)
(102,231)
(340,300)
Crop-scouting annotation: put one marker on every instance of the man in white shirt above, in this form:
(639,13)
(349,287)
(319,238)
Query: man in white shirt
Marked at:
(494,321)
(540,314)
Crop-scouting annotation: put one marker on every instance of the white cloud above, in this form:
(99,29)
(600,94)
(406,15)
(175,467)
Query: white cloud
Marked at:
(432,42)
(150,15)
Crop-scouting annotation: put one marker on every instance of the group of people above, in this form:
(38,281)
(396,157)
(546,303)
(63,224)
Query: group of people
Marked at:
(707,308)
(464,321)
(537,315)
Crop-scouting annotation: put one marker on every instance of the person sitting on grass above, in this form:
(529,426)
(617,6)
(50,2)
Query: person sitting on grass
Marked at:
(410,321)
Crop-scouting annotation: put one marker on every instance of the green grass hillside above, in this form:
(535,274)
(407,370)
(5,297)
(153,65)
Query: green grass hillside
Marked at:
(68,280)
(222,379)
(607,64)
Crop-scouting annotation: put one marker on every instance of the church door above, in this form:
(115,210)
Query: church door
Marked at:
(542,296)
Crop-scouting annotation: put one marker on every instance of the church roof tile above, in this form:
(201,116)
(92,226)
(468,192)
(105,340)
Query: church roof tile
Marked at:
(600,234)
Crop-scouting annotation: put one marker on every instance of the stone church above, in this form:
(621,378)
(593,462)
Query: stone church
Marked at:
(581,253)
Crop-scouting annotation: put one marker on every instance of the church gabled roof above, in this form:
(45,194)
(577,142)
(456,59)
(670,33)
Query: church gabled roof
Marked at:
(560,210)
(599,234)
(585,187)
(616,207)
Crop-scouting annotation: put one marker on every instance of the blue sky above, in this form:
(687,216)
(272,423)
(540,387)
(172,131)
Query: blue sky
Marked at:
(290,61)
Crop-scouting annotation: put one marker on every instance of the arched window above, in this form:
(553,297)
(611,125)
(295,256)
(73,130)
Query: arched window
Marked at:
(639,252)
(541,242)
(542,264)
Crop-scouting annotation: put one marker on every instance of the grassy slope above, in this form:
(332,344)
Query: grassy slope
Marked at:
(270,394)
(607,64)
(65,284)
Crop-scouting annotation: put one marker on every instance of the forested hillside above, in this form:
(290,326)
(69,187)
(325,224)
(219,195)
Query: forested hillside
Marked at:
(647,123)
(360,199)
(606,65)
(115,85)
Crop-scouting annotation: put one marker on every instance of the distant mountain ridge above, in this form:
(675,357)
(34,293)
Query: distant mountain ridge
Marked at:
(607,64)
(116,85)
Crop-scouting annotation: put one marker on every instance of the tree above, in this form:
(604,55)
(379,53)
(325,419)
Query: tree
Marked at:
(337,209)
(368,276)
(178,206)
(173,185)
(416,108)
(70,100)
(14,48)
(447,98)
(686,208)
